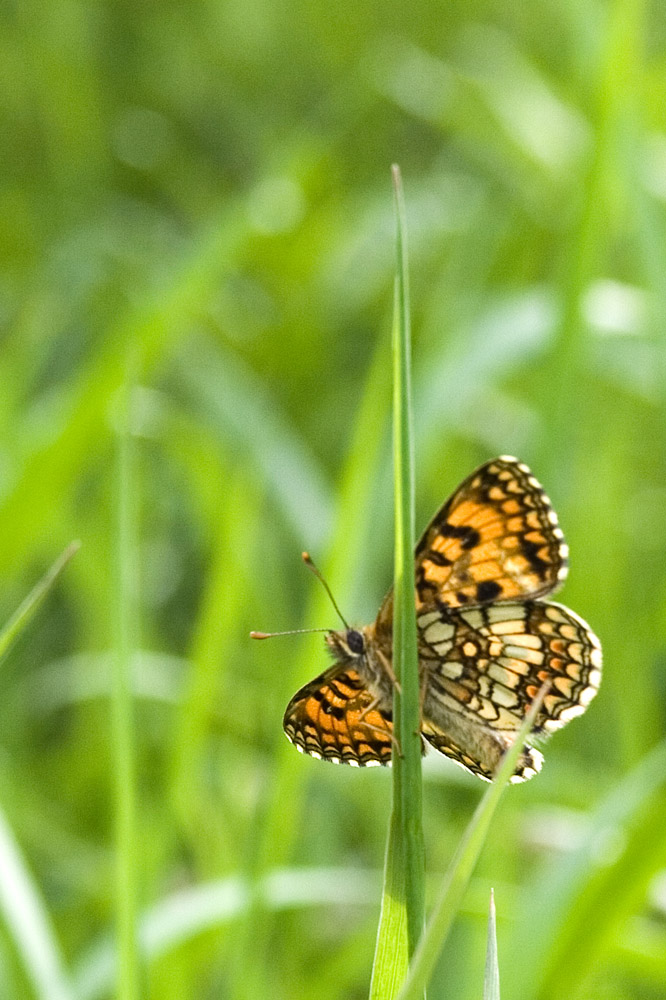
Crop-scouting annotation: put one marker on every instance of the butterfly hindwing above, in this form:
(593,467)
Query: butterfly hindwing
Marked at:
(529,762)
(335,717)
(484,666)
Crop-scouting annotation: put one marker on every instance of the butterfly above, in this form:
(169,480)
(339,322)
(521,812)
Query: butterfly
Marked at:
(487,640)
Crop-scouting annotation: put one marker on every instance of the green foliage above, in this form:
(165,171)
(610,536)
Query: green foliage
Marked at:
(205,186)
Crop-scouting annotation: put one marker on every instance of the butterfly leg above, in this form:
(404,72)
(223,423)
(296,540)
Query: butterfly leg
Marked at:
(388,667)
(374,704)
(394,739)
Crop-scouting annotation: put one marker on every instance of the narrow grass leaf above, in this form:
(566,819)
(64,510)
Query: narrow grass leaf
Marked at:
(122,709)
(391,960)
(23,909)
(28,922)
(29,606)
(405,656)
(462,866)
(491,985)
(403,901)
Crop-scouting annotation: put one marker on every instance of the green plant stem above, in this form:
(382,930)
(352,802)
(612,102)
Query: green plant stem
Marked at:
(122,713)
(403,901)
(405,658)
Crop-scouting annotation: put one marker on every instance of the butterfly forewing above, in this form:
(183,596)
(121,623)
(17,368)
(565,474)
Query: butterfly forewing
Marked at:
(335,717)
(496,539)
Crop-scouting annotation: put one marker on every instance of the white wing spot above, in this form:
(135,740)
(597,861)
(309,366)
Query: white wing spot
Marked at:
(474,618)
(438,631)
(451,668)
(503,696)
(503,612)
(427,619)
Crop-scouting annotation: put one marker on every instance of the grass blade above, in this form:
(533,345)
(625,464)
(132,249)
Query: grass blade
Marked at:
(391,960)
(28,922)
(405,657)
(122,710)
(403,901)
(460,871)
(491,985)
(20,900)
(32,602)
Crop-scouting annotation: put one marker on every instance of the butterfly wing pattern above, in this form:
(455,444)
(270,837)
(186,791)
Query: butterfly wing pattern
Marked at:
(487,642)
(483,668)
(496,539)
(335,717)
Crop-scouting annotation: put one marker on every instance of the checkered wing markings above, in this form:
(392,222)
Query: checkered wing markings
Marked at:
(496,539)
(324,720)
(529,763)
(488,663)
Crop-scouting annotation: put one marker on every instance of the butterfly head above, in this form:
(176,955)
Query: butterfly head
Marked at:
(347,644)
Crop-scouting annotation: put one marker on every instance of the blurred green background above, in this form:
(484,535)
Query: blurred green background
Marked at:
(200,193)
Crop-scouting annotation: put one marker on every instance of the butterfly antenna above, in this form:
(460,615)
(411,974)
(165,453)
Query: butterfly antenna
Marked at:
(307,559)
(293,631)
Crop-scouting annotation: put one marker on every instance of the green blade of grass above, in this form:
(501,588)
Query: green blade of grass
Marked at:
(29,606)
(403,901)
(491,985)
(405,657)
(122,723)
(28,922)
(462,866)
(23,909)
(391,960)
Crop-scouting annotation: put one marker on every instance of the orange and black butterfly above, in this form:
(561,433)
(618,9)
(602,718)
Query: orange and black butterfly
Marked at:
(486,639)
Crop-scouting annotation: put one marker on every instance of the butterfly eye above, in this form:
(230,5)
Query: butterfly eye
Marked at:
(355,641)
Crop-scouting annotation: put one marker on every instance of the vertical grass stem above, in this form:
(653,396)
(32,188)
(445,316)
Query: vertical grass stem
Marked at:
(122,715)
(403,900)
